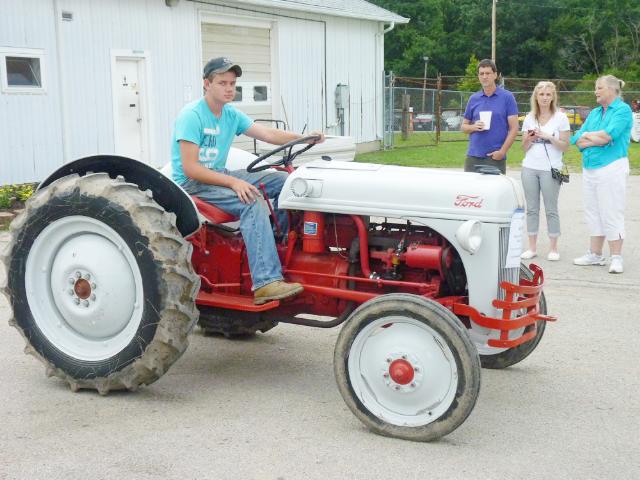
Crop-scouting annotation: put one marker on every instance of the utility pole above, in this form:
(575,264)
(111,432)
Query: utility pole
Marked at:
(424,81)
(493,31)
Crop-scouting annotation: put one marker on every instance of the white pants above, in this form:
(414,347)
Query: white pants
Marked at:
(604,193)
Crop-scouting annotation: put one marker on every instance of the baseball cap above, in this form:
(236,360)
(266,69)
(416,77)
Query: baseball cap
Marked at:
(220,65)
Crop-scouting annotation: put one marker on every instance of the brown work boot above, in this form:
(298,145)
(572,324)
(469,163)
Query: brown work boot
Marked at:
(276,291)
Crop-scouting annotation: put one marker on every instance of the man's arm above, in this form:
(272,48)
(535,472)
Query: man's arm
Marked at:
(276,136)
(189,153)
(511,137)
(468,127)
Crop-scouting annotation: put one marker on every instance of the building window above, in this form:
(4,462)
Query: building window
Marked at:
(22,70)
(238,97)
(253,93)
(260,93)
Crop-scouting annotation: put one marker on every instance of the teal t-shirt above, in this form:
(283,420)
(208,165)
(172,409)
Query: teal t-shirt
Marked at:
(197,124)
(617,122)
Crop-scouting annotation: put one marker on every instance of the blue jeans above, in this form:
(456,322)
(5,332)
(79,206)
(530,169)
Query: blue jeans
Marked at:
(255,226)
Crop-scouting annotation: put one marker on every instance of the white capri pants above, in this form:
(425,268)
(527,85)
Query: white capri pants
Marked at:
(604,193)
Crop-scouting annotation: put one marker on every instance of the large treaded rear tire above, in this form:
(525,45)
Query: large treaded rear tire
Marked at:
(140,305)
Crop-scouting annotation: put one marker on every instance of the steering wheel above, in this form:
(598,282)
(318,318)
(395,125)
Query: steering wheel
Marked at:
(286,159)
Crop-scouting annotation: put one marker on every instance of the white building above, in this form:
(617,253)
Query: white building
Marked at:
(81,77)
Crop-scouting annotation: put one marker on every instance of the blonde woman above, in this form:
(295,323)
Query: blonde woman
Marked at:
(604,143)
(545,136)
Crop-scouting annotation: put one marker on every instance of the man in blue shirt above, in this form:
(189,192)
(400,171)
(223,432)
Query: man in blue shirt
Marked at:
(490,120)
(202,137)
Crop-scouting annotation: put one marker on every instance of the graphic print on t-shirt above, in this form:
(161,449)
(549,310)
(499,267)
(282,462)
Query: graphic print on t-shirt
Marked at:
(208,150)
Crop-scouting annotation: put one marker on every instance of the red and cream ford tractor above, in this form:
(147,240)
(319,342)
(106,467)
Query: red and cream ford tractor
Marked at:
(111,265)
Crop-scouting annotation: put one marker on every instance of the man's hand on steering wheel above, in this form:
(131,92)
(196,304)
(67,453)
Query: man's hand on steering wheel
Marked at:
(317,134)
(311,140)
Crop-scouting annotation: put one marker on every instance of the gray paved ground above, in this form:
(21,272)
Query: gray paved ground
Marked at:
(268,408)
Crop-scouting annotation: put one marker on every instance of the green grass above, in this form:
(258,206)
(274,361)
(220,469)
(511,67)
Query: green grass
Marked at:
(420,150)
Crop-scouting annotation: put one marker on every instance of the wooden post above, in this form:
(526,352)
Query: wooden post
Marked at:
(406,101)
(438,109)
(493,31)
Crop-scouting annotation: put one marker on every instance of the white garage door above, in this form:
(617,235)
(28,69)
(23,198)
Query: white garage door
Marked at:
(250,48)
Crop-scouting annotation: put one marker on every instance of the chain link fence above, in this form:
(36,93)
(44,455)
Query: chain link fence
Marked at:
(436,108)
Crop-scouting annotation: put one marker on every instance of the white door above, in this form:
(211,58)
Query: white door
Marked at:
(129,122)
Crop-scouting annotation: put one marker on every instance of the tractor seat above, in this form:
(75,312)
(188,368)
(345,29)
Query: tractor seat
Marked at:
(212,213)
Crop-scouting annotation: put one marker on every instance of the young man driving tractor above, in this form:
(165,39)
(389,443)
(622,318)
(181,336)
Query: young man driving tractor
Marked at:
(202,137)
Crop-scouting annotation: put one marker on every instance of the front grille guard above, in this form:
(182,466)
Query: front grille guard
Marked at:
(517,298)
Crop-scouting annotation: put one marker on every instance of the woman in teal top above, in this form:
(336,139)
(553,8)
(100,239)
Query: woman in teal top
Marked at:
(604,143)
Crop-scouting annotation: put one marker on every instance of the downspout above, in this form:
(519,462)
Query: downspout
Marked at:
(64,127)
(380,46)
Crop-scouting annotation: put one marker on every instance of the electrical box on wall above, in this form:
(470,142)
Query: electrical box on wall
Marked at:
(342,96)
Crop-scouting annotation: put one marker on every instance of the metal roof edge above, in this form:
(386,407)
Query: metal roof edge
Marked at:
(318,9)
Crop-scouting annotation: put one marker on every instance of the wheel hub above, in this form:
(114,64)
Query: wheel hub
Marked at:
(82,289)
(401,371)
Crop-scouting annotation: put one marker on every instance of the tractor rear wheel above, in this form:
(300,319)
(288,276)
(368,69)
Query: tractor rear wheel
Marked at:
(100,283)
(514,355)
(406,367)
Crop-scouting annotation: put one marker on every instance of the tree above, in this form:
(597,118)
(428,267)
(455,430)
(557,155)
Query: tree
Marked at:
(544,39)
(470,82)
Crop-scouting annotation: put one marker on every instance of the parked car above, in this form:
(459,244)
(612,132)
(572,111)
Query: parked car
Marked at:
(423,122)
(573,114)
(451,120)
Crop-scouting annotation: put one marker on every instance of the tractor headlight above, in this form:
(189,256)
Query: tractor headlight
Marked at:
(469,235)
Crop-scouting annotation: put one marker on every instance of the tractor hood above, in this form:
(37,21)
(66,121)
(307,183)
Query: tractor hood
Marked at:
(401,192)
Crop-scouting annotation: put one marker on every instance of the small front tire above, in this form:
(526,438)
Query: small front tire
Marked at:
(406,368)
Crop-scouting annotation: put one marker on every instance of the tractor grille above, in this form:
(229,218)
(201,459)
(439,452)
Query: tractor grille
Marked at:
(506,274)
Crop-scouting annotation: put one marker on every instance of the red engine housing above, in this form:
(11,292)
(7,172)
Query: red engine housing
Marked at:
(342,260)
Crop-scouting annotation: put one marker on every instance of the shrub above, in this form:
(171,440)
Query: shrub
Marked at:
(12,193)
(23,192)
(6,196)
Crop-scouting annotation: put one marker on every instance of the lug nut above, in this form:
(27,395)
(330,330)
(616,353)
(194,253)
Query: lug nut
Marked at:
(93,296)
(85,303)
(78,274)
(70,291)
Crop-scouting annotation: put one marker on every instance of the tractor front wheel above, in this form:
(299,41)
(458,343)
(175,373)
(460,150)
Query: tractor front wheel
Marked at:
(406,367)
(100,283)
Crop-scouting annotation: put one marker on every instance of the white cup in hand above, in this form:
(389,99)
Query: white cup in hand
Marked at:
(485,118)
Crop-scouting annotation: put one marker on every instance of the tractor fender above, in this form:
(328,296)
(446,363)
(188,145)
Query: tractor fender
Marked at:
(166,192)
